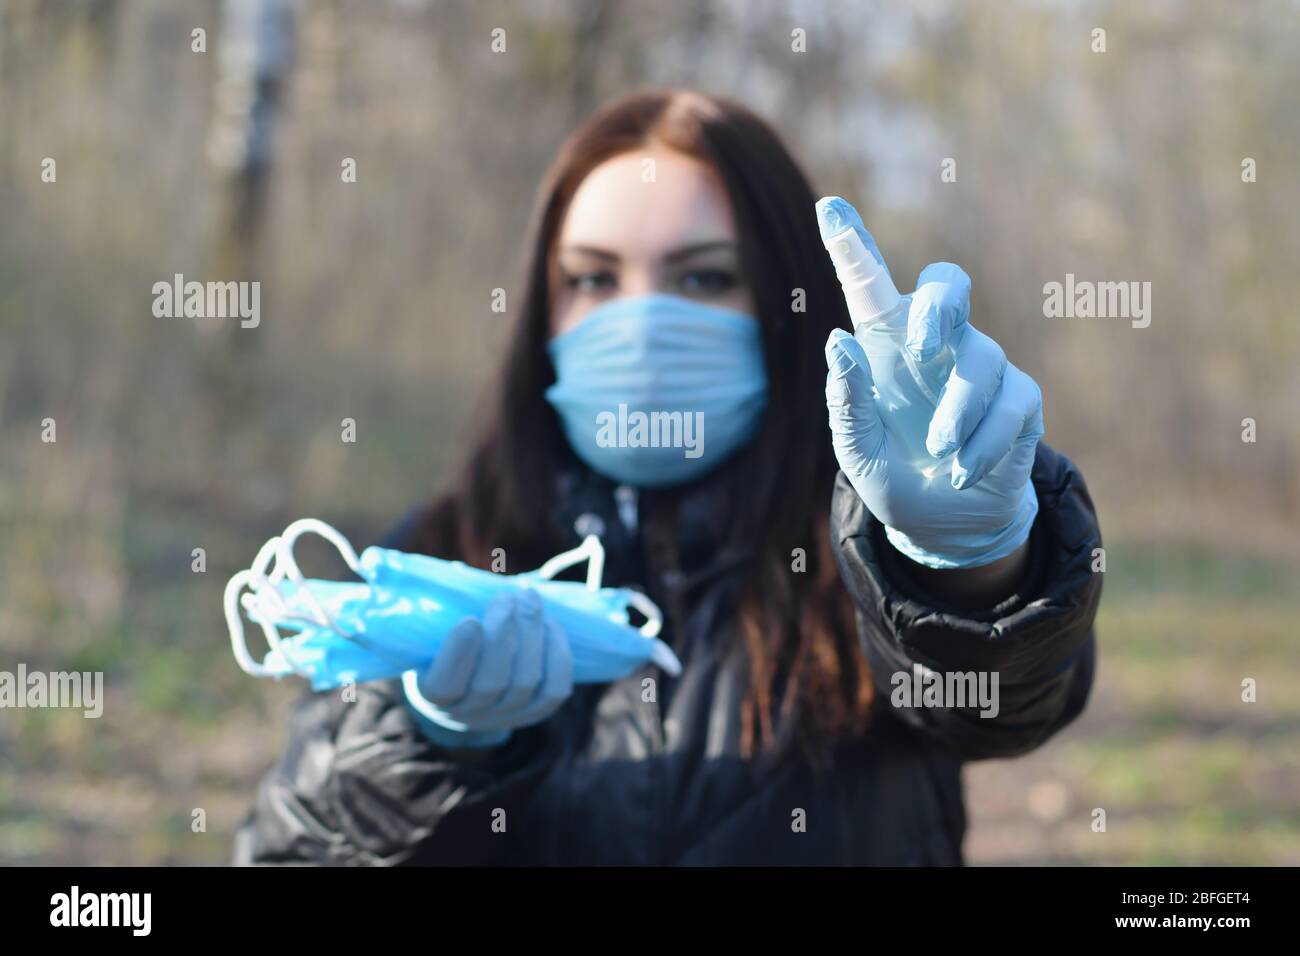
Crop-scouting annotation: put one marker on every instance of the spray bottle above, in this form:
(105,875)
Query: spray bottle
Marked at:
(907,390)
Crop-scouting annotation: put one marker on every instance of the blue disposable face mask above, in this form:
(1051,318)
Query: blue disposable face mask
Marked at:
(394,620)
(658,390)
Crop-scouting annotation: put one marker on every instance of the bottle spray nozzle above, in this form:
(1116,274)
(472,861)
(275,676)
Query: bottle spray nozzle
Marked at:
(868,288)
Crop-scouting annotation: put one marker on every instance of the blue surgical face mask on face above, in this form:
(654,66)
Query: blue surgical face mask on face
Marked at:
(657,390)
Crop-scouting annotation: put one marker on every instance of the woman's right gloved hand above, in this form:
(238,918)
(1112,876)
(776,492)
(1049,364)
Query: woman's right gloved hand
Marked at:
(989,413)
(511,670)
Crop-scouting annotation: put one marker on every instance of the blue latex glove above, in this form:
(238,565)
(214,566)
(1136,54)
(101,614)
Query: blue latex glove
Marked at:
(989,411)
(511,670)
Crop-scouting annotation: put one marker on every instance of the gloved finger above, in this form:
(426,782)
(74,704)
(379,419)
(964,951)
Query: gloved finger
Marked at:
(530,658)
(1016,414)
(447,679)
(557,684)
(857,432)
(978,368)
(496,660)
(834,215)
(940,306)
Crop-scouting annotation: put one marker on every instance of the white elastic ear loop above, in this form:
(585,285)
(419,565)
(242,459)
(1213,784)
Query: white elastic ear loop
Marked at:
(235,624)
(660,652)
(285,561)
(254,578)
(654,617)
(591,551)
(422,705)
(268,601)
(328,532)
(266,598)
(264,587)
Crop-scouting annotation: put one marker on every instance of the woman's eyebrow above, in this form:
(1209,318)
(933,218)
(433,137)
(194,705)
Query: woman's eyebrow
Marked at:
(695,248)
(593,251)
(677,255)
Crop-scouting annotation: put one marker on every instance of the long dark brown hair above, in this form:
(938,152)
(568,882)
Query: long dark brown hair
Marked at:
(797,628)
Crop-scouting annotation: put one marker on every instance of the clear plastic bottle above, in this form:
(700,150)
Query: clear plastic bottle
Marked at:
(907,390)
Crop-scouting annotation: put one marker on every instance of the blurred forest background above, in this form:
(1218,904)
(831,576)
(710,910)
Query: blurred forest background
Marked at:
(177,434)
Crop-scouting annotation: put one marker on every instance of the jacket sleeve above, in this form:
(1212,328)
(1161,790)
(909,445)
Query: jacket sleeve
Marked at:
(358,784)
(1038,642)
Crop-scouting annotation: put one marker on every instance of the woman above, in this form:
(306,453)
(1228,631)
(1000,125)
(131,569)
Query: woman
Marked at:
(677,260)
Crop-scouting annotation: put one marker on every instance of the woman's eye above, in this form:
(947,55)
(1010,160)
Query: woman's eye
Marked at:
(708,281)
(590,281)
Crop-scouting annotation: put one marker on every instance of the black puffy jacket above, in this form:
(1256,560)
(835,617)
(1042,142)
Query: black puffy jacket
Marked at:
(612,779)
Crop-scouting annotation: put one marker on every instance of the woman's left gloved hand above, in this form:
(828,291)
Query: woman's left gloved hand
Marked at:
(513,669)
(989,412)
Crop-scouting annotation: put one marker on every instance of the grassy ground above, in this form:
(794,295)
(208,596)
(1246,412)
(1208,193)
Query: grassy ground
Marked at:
(1186,771)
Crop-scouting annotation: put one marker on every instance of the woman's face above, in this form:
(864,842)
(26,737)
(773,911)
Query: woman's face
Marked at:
(630,233)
